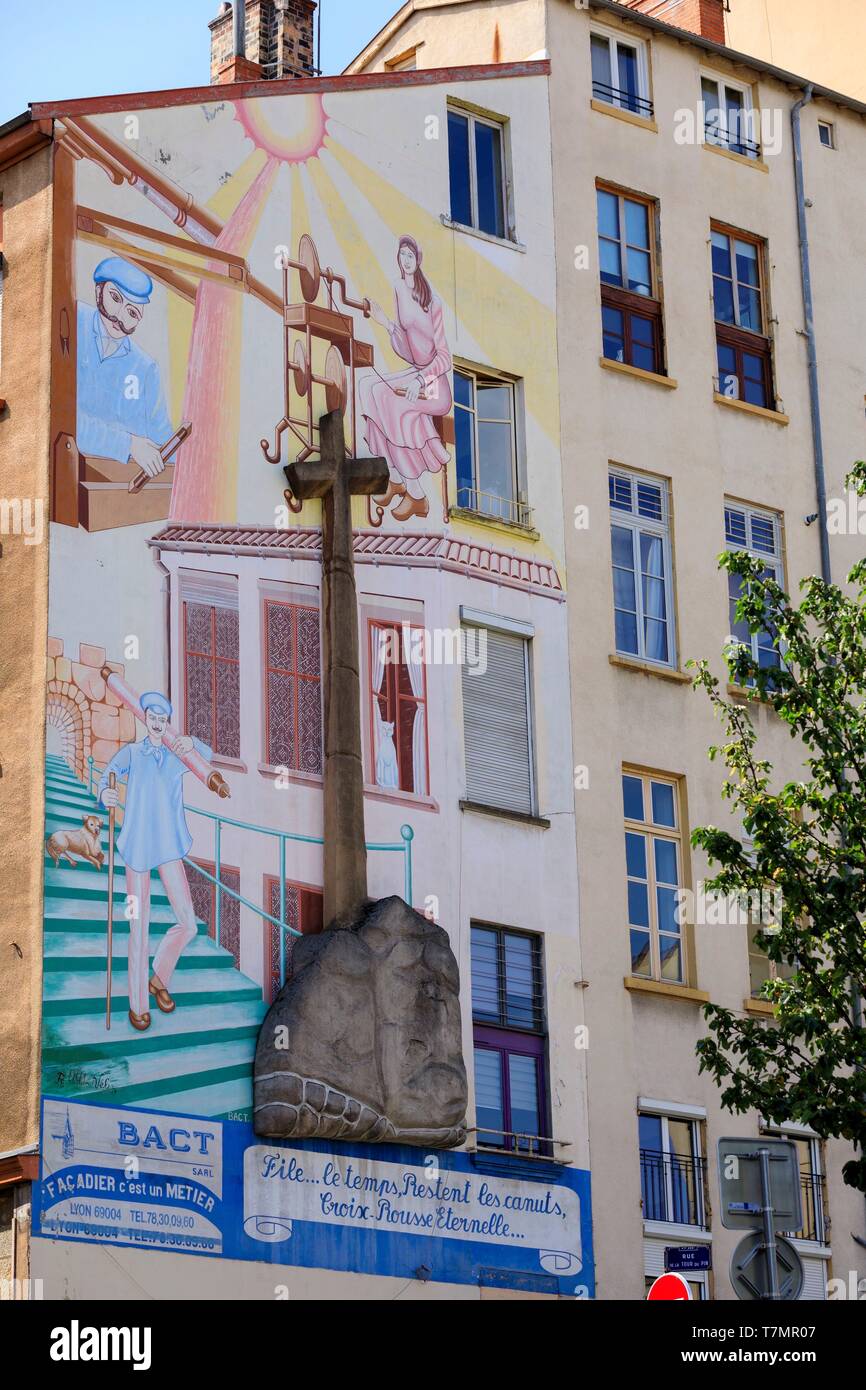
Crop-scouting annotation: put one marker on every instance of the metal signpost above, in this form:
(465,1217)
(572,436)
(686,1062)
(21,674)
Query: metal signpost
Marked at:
(760,1188)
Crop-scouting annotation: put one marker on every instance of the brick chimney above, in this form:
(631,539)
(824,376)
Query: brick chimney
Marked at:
(704,17)
(278,41)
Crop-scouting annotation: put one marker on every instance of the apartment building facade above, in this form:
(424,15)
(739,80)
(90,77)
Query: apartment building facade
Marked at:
(616,416)
(688,427)
(262,253)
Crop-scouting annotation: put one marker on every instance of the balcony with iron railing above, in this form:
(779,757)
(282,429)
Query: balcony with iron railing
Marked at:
(512,511)
(504,1141)
(673,1188)
(812,1193)
(625,100)
(732,140)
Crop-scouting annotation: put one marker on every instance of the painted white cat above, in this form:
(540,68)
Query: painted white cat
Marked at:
(387,771)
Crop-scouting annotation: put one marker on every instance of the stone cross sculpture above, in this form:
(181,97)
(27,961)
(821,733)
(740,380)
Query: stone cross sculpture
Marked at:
(364,1042)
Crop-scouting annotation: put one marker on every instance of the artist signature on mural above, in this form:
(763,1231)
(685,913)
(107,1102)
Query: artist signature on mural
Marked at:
(74,1077)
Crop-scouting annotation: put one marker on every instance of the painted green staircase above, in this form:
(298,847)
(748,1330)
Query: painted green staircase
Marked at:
(197,1060)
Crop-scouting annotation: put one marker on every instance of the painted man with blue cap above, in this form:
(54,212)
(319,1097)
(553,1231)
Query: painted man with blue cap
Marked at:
(122,413)
(154,836)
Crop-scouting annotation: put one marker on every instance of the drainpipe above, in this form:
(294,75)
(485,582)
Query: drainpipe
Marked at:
(815,406)
(806,277)
(165,595)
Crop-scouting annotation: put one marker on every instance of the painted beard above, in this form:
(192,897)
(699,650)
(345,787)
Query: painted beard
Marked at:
(110,318)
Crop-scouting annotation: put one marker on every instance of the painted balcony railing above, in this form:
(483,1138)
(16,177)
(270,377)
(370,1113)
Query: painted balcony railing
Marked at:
(508,509)
(403,846)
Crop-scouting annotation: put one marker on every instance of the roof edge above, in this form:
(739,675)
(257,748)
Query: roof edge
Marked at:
(787,79)
(244,91)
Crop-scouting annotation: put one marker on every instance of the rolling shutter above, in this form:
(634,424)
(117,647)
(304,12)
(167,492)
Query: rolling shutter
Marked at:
(496,726)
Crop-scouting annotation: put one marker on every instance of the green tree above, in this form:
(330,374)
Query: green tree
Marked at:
(808,842)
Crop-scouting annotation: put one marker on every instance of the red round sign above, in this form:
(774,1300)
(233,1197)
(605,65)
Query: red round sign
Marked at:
(671,1287)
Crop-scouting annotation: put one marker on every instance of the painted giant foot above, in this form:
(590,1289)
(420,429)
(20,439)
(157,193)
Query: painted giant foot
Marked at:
(364,1042)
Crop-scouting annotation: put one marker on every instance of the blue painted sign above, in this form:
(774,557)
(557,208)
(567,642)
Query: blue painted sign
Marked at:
(681,1259)
(211,1187)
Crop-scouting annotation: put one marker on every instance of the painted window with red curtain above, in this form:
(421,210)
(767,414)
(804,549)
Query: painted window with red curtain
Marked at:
(212,673)
(303,912)
(293,681)
(398,707)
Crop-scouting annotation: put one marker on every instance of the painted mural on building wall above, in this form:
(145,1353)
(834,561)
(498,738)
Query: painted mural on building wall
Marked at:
(228,272)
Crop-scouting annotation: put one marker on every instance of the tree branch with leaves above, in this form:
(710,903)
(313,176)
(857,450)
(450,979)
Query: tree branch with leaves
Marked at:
(807,842)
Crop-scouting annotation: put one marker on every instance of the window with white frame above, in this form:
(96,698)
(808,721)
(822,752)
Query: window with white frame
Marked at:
(642,566)
(477,172)
(759,534)
(672,1169)
(620,71)
(497,715)
(813,1196)
(729,115)
(486,445)
(654,874)
(827,134)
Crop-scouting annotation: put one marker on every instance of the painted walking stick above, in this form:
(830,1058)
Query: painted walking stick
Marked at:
(112,812)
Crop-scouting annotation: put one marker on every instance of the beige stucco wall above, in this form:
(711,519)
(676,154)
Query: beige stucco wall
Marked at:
(24,432)
(453,32)
(823,42)
(642,1045)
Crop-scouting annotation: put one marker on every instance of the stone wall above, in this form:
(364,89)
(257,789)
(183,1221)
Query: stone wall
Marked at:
(91,719)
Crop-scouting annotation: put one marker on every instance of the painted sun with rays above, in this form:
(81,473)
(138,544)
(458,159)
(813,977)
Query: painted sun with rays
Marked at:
(301,131)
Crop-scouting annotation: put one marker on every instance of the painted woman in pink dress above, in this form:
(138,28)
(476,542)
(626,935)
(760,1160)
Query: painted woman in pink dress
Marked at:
(400,410)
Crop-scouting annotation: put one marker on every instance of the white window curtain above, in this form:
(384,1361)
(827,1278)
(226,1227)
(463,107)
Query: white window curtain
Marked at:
(384,753)
(415,667)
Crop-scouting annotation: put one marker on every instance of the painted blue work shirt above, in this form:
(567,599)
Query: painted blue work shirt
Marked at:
(106,417)
(154,826)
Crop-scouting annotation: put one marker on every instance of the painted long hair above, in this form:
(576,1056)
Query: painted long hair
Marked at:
(421,292)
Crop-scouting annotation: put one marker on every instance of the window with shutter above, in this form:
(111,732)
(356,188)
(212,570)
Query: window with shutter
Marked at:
(212,662)
(497,726)
(292,683)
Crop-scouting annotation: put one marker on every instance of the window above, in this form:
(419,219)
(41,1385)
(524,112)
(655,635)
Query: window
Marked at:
(761,968)
(497,721)
(759,533)
(509,1033)
(642,567)
(744,354)
(672,1170)
(827,134)
(485,411)
(630,307)
(303,912)
(620,72)
(398,707)
(476,166)
(653,854)
(812,1188)
(813,1195)
(729,117)
(293,702)
(211,662)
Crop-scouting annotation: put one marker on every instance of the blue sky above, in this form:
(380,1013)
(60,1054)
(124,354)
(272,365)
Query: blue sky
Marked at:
(83,48)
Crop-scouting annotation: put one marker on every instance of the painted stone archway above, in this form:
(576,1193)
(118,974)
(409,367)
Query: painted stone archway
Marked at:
(86,717)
